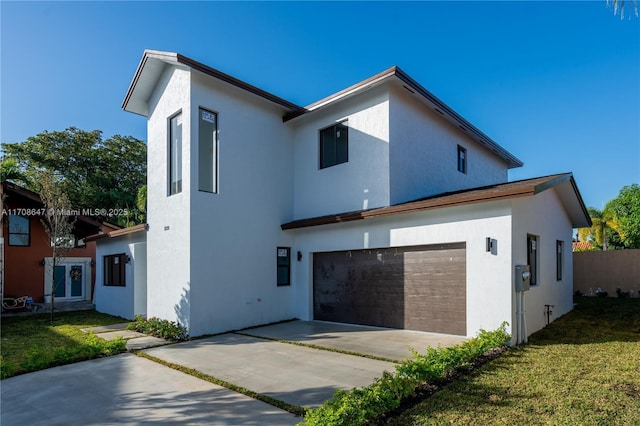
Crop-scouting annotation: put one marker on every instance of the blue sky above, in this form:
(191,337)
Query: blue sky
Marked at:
(556,83)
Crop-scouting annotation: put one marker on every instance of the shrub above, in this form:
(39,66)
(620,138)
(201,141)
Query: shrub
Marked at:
(164,329)
(363,405)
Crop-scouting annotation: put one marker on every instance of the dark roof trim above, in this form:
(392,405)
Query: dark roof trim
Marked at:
(235,82)
(176,58)
(414,86)
(512,160)
(364,84)
(118,232)
(503,191)
(12,188)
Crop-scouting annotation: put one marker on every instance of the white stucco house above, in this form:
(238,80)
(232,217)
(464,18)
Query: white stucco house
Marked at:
(121,271)
(377,205)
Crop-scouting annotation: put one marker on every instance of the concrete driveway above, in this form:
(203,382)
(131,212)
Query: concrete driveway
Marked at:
(295,374)
(127,389)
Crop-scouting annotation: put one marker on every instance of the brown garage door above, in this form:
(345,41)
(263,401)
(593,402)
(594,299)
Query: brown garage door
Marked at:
(416,288)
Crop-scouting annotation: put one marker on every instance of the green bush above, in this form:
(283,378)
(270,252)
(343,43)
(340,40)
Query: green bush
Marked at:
(164,329)
(361,406)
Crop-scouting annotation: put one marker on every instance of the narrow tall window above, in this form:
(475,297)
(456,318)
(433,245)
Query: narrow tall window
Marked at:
(462,159)
(532,258)
(284,266)
(19,231)
(334,145)
(559,259)
(207,151)
(114,270)
(175,154)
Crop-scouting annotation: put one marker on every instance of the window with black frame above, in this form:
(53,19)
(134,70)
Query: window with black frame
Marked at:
(334,145)
(284,266)
(532,258)
(115,270)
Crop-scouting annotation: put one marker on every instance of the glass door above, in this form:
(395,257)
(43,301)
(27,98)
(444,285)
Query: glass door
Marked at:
(68,281)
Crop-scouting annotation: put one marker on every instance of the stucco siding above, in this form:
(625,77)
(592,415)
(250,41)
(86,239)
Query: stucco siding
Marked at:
(360,183)
(488,275)
(424,151)
(234,233)
(543,216)
(131,299)
(168,238)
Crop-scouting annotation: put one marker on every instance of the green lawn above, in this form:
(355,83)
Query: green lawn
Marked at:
(582,369)
(31,343)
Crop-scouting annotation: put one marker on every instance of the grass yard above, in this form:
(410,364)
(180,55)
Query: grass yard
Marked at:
(584,368)
(31,343)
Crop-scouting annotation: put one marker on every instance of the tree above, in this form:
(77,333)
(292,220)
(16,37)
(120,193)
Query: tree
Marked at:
(57,222)
(603,224)
(96,174)
(625,209)
(620,5)
(618,224)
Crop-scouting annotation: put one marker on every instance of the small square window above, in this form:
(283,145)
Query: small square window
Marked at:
(462,160)
(115,270)
(334,145)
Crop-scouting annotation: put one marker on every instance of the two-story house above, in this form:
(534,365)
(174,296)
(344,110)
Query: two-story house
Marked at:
(377,205)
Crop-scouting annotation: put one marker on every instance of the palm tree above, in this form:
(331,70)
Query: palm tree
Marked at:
(619,4)
(603,221)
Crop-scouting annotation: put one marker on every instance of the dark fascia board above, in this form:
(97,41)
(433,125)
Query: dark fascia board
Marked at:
(395,72)
(11,188)
(511,160)
(118,232)
(505,191)
(176,58)
(358,87)
(562,179)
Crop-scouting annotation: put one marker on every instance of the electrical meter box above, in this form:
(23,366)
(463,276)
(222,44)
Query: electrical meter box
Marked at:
(522,278)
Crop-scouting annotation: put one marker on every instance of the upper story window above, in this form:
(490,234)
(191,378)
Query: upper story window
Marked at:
(334,145)
(175,154)
(19,231)
(207,151)
(462,159)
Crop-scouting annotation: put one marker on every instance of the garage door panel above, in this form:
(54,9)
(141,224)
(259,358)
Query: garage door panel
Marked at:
(418,288)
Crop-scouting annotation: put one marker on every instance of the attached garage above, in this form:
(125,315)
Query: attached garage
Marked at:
(417,288)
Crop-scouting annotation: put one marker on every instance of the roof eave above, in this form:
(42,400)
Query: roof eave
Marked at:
(395,72)
(130,104)
(572,201)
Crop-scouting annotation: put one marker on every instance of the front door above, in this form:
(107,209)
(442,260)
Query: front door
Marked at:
(69,279)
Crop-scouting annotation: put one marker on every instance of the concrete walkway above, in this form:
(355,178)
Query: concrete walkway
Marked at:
(135,340)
